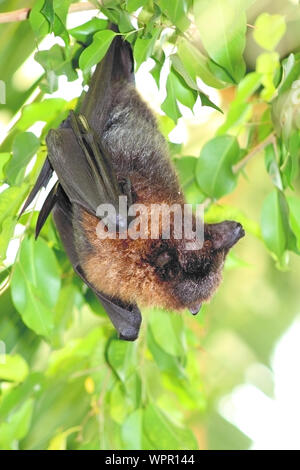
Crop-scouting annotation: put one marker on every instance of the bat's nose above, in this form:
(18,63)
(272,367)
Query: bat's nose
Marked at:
(225,234)
(237,232)
(195,308)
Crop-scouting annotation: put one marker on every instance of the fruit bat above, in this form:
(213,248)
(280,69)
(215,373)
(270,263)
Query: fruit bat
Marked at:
(109,148)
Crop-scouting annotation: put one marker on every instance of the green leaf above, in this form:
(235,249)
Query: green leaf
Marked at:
(13,368)
(170,106)
(293,146)
(55,63)
(180,69)
(176,12)
(291,72)
(133,388)
(174,343)
(265,125)
(269,30)
(6,233)
(63,310)
(247,87)
(214,167)
(4,157)
(222,27)
(10,201)
(237,116)
(152,23)
(219,72)
(59,26)
(165,125)
(133,5)
(186,169)
(156,70)
(110,3)
(24,147)
(165,361)
(143,48)
(186,95)
(272,166)
(38,21)
(82,32)
(205,101)
(11,401)
(294,212)
(96,51)
(275,227)
(42,20)
(240,111)
(196,64)
(16,427)
(121,357)
(290,236)
(132,431)
(48,12)
(118,403)
(111,9)
(49,111)
(177,90)
(124,24)
(164,433)
(76,354)
(59,442)
(35,285)
(267,64)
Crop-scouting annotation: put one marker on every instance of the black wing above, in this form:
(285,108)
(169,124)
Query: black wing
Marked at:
(126,318)
(116,66)
(41,182)
(85,173)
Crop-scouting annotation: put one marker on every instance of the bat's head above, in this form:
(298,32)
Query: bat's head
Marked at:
(192,276)
(171,273)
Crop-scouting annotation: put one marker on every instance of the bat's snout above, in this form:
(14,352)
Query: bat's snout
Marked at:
(225,234)
(237,232)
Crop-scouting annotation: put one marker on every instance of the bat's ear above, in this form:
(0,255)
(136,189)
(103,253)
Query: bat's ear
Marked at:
(225,234)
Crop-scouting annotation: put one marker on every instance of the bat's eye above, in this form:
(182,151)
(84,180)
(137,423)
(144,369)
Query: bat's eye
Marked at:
(196,264)
(166,265)
(163,259)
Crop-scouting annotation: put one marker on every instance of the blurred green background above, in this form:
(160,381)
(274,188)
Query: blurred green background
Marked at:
(222,380)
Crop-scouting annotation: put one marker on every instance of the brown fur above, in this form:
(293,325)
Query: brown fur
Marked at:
(127,269)
(158,272)
(120,267)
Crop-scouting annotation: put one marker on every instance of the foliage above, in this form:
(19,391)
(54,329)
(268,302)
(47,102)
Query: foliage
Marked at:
(66,381)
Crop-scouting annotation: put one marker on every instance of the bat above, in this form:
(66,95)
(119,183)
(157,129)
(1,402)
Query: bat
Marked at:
(110,148)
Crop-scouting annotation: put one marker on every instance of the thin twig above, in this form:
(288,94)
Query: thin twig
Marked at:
(268,140)
(23,13)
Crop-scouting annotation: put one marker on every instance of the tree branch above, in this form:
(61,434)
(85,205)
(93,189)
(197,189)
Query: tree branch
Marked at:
(270,139)
(23,13)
